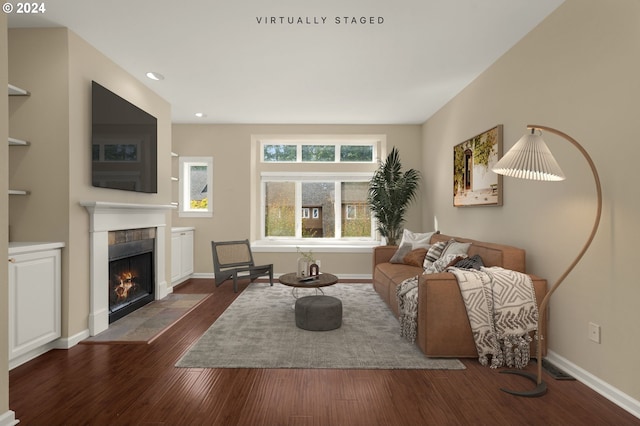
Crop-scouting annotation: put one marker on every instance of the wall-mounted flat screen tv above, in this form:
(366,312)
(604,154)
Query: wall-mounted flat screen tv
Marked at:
(124,144)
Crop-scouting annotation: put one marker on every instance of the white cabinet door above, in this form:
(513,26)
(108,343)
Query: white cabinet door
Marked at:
(181,255)
(186,245)
(176,257)
(34,300)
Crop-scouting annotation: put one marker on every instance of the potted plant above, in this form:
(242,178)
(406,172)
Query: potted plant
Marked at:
(390,193)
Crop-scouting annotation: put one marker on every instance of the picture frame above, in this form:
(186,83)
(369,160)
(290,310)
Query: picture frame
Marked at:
(474,183)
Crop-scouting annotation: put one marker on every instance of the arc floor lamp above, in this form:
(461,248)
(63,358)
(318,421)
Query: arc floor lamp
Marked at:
(530,158)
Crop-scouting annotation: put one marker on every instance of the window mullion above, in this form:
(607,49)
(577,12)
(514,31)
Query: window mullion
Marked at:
(298,213)
(263,209)
(337,208)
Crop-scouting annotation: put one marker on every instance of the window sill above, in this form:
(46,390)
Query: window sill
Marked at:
(268,246)
(195,214)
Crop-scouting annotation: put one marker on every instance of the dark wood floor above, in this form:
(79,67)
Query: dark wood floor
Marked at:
(138,384)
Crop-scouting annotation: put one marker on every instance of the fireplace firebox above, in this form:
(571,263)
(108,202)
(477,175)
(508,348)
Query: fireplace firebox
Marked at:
(131,271)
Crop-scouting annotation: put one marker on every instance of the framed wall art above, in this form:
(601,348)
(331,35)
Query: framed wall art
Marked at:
(474,184)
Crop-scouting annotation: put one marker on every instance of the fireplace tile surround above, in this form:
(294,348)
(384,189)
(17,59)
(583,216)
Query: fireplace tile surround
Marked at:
(109,216)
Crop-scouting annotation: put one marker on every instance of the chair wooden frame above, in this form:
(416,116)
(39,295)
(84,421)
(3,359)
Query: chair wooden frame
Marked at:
(234,260)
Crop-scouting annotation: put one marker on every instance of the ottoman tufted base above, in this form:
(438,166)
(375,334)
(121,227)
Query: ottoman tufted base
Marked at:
(318,313)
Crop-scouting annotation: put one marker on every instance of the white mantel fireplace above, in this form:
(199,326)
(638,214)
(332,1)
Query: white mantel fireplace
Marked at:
(108,216)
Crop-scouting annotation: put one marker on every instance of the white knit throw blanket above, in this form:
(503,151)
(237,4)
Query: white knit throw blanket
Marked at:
(502,311)
(407,296)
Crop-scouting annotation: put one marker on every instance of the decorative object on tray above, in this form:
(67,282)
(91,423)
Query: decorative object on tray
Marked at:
(305,263)
(474,182)
(314,270)
(309,278)
(390,194)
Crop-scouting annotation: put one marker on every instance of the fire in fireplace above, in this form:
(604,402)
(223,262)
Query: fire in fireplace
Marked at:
(131,271)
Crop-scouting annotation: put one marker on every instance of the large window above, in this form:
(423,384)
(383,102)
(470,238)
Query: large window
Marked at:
(308,206)
(313,190)
(196,184)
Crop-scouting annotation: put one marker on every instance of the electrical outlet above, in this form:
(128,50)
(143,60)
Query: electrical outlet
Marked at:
(594,332)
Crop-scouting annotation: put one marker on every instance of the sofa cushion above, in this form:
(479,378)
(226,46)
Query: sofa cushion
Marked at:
(434,253)
(444,262)
(396,272)
(398,256)
(456,247)
(416,239)
(415,257)
(387,277)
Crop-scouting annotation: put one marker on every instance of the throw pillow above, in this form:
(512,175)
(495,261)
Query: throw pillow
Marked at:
(434,253)
(473,262)
(415,257)
(417,240)
(444,262)
(398,256)
(455,247)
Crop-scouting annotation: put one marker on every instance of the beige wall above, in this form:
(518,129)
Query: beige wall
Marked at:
(86,64)
(230,147)
(578,72)
(57,67)
(4,220)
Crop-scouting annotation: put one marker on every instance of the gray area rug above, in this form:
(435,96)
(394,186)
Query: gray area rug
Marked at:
(258,330)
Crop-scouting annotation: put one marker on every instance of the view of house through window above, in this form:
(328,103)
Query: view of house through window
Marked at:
(356,216)
(318,216)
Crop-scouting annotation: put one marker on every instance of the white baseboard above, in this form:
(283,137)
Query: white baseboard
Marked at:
(32,354)
(614,395)
(61,343)
(208,275)
(69,342)
(8,419)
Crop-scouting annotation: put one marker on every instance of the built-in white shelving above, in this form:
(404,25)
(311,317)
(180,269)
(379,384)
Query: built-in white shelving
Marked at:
(17,91)
(174,178)
(17,142)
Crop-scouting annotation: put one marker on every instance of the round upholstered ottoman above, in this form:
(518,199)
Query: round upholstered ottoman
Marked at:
(318,313)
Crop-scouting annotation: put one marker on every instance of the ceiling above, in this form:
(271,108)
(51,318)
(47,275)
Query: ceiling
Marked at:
(221,58)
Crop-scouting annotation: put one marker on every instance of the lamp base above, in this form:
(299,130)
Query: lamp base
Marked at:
(539,390)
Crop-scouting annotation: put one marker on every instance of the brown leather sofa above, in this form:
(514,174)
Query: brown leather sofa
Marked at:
(443,326)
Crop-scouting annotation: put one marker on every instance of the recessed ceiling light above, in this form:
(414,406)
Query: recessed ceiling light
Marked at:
(155,76)
(201,114)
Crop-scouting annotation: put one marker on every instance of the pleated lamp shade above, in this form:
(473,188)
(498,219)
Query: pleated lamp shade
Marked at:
(530,158)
